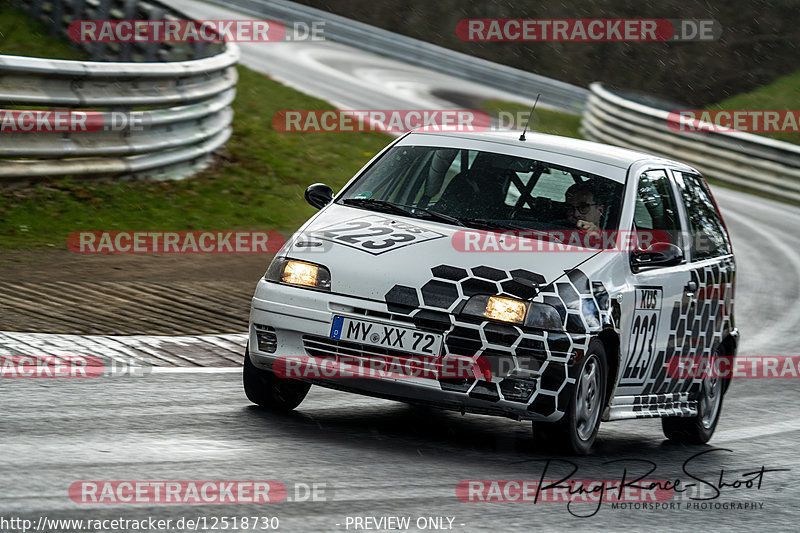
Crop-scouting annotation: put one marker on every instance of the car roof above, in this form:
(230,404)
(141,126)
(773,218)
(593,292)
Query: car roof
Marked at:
(593,151)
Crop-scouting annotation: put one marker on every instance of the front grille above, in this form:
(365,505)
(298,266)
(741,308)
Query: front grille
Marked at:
(380,315)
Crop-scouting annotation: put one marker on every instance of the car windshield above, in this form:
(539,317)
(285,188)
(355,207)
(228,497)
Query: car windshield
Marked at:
(486,190)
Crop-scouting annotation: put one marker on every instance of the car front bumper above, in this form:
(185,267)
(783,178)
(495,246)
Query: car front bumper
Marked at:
(285,321)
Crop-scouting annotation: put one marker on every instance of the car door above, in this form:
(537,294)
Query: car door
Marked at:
(656,291)
(709,316)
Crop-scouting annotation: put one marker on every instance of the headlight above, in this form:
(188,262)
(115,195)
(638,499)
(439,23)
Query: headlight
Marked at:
(505,309)
(513,311)
(543,316)
(497,308)
(300,273)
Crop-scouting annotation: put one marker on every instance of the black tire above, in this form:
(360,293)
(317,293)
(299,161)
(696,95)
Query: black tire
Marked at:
(265,389)
(699,429)
(576,432)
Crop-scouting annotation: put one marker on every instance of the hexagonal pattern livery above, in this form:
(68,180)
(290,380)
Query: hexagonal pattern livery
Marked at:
(584,306)
(712,306)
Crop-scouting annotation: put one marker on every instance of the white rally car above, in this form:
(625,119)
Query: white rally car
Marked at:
(462,247)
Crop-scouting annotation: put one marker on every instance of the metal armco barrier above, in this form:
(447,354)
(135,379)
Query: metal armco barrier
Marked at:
(180,95)
(749,161)
(555,94)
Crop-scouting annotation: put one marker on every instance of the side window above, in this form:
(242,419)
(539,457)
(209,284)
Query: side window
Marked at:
(655,207)
(708,235)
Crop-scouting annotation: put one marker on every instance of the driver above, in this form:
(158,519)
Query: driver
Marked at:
(582,209)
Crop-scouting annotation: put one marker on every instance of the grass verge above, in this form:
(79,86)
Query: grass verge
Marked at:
(21,35)
(545,120)
(257,184)
(783,93)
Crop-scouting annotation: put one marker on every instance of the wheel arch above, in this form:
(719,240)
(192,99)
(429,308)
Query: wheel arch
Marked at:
(610,340)
(729,346)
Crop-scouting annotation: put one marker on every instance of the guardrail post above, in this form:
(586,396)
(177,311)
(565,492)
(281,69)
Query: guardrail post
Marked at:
(128,13)
(98,49)
(150,49)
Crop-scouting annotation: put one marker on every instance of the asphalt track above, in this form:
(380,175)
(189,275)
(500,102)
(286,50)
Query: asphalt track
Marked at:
(378,458)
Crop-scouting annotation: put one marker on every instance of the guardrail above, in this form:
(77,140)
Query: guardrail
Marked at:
(182,106)
(742,159)
(555,94)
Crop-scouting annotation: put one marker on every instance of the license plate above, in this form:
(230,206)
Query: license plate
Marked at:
(397,338)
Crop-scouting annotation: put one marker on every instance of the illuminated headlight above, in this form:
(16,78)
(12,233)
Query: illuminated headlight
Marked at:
(300,273)
(505,310)
(513,311)
(497,308)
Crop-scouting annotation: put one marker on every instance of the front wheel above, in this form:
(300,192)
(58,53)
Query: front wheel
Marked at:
(699,429)
(577,430)
(264,388)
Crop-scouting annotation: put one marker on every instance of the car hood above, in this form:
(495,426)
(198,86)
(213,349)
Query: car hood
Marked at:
(371,253)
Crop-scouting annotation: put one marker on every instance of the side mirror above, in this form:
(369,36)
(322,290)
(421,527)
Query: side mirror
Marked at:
(319,195)
(660,254)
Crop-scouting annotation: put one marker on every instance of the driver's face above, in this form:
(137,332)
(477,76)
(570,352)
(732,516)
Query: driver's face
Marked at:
(581,206)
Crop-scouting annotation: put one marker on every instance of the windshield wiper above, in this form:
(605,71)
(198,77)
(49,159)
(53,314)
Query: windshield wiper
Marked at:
(482,223)
(402,209)
(377,205)
(435,215)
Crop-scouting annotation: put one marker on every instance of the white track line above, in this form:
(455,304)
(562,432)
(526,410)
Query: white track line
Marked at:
(195,370)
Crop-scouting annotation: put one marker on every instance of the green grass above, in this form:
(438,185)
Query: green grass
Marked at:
(258,184)
(545,120)
(20,35)
(784,93)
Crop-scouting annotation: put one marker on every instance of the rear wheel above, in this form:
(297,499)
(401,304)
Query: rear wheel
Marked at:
(699,429)
(264,388)
(577,430)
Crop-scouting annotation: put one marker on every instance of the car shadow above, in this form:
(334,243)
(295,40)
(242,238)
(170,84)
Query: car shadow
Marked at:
(404,428)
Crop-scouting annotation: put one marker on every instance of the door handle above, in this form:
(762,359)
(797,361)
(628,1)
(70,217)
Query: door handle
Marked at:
(690,289)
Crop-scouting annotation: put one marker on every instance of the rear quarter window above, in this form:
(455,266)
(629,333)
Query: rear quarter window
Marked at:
(708,236)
